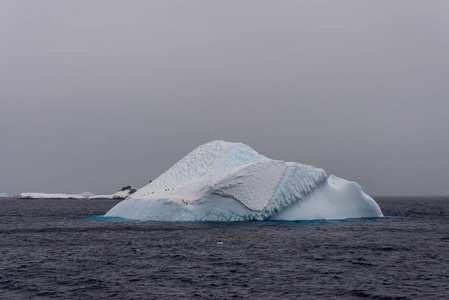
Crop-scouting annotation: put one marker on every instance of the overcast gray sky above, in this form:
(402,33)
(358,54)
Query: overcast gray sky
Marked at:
(95,95)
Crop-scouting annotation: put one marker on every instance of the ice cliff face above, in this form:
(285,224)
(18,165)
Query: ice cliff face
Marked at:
(222,181)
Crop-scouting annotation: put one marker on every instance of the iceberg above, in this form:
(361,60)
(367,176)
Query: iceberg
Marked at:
(50,196)
(222,181)
(6,195)
(87,194)
(120,194)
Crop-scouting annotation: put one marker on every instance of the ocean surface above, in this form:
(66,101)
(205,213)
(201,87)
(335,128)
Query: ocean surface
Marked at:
(60,249)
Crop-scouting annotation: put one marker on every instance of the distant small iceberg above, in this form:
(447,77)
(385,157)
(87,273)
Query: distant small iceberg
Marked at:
(6,195)
(50,196)
(120,194)
(87,194)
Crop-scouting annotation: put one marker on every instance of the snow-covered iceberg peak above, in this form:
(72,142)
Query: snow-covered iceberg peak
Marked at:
(222,181)
(210,159)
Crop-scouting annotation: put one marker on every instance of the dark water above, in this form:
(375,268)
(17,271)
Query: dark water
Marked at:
(51,249)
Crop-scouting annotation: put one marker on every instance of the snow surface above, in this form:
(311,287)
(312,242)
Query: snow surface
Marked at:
(222,181)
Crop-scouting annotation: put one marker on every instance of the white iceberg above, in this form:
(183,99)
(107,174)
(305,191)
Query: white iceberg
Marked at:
(120,194)
(86,194)
(102,197)
(6,195)
(50,196)
(222,181)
